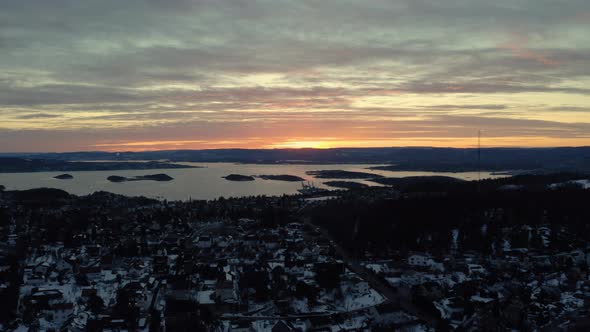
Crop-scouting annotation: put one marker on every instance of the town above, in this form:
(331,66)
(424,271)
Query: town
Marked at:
(106,262)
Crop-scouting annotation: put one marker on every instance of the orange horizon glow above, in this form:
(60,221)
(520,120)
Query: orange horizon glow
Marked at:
(500,142)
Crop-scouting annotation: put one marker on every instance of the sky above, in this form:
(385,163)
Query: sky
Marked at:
(199,74)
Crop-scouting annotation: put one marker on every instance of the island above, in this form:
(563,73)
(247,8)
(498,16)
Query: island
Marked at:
(154,177)
(64,177)
(238,177)
(346,184)
(282,177)
(116,178)
(340,174)
(151,177)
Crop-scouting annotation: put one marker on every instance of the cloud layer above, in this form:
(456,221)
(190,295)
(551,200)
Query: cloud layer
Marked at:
(113,75)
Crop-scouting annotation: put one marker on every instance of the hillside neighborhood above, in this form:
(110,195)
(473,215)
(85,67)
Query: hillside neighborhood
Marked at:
(105,262)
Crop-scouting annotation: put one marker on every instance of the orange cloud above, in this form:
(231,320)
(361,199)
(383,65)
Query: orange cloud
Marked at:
(583,17)
(517,45)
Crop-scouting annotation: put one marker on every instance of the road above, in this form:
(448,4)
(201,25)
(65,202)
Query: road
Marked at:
(402,298)
(300,316)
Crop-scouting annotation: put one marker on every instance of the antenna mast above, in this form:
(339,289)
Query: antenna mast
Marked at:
(479,160)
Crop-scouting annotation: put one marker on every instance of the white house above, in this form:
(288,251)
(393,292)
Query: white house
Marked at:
(204,242)
(475,269)
(421,260)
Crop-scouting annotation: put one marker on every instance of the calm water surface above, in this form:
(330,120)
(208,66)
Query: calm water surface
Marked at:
(197,183)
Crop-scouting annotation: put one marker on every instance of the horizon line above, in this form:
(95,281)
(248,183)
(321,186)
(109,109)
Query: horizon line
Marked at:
(302,148)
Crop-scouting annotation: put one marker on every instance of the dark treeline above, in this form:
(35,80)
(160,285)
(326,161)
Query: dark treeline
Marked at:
(426,222)
(445,184)
(117,213)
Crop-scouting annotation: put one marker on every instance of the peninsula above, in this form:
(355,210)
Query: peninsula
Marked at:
(282,177)
(346,184)
(340,174)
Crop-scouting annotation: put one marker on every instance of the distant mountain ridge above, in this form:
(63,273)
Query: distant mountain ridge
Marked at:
(17,165)
(418,159)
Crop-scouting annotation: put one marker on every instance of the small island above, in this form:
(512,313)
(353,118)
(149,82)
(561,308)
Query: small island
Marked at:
(150,177)
(238,177)
(64,177)
(346,184)
(340,174)
(154,177)
(282,177)
(116,178)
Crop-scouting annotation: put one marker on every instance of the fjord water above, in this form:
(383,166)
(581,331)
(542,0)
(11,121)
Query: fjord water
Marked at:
(198,183)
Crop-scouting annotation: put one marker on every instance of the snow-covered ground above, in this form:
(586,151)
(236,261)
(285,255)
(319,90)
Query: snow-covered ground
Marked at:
(356,302)
(585,184)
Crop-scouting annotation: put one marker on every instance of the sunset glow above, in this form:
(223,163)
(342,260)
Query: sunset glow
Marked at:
(294,144)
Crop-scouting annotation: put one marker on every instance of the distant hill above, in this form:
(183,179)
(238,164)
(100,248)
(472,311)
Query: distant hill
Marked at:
(420,159)
(527,182)
(14,165)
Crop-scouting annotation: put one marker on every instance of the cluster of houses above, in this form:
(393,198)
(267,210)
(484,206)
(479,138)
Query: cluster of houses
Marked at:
(520,289)
(109,263)
(161,267)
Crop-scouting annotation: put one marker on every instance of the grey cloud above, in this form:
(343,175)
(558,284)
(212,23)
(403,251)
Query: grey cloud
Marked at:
(142,59)
(248,97)
(469,87)
(567,109)
(38,116)
(61,94)
(226,37)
